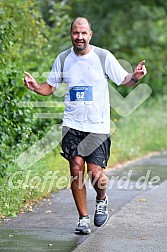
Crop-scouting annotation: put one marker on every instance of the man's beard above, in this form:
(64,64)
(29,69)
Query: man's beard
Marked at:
(80,48)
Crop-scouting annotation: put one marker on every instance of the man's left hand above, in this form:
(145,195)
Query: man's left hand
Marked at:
(140,70)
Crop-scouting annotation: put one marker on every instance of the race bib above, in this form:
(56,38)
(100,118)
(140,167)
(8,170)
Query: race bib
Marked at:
(81,94)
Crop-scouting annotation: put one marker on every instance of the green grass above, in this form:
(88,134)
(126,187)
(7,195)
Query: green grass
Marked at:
(20,189)
(142,132)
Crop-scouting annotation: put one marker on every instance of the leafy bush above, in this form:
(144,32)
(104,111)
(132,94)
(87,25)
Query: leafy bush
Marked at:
(25,46)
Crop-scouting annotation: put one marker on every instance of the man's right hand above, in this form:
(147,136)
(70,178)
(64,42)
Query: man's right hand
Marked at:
(30,82)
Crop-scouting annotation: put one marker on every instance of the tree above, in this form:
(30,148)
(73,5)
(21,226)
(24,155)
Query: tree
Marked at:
(131,31)
(20,43)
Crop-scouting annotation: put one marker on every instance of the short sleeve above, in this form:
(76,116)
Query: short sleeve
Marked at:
(55,76)
(114,70)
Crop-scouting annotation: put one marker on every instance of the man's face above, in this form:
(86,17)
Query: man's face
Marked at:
(80,36)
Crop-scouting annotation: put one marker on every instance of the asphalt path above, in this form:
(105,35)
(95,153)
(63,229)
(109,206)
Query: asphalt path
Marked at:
(137,207)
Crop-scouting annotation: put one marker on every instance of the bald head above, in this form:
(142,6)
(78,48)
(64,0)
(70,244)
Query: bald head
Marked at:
(81,35)
(80,21)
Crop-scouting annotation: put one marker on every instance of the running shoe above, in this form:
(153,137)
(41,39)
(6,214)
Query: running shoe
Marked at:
(101,212)
(83,226)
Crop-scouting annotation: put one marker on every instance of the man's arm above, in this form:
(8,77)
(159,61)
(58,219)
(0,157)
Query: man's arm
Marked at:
(139,72)
(42,89)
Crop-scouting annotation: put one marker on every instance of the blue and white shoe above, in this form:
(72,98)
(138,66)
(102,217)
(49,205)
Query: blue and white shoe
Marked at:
(83,226)
(101,212)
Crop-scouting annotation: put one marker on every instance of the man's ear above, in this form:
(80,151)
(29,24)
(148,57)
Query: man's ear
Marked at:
(91,34)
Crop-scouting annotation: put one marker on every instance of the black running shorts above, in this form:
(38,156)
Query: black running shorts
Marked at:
(93,147)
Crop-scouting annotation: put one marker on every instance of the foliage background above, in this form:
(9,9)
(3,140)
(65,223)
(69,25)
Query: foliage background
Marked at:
(33,32)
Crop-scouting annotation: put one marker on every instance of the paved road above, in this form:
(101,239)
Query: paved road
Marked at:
(138,216)
(137,227)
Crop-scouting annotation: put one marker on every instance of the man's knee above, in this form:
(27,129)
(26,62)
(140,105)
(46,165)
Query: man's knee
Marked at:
(77,167)
(98,177)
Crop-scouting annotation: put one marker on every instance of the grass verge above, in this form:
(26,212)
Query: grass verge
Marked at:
(142,132)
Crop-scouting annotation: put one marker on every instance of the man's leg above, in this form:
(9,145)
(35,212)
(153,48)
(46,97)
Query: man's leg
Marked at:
(78,188)
(98,179)
(71,140)
(99,182)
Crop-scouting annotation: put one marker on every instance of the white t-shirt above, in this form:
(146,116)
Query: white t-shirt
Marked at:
(87,106)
